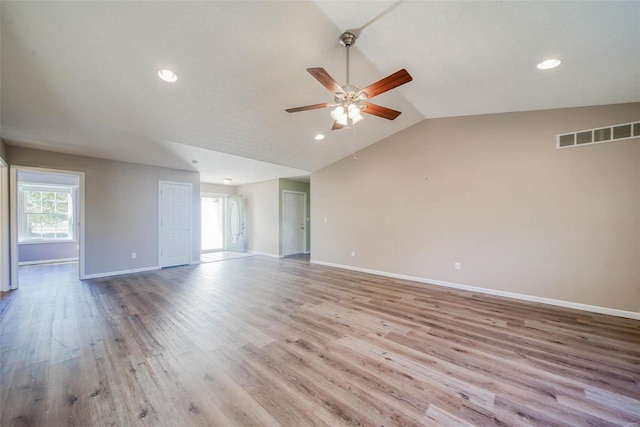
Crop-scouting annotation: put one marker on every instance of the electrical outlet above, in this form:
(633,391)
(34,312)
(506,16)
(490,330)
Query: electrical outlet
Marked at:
(353,253)
(457,266)
(133,255)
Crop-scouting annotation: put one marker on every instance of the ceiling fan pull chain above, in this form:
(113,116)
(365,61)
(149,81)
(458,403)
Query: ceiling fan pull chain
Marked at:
(355,147)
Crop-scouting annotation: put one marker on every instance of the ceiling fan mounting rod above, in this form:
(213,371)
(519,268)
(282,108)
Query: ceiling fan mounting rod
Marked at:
(347,40)
(347,65)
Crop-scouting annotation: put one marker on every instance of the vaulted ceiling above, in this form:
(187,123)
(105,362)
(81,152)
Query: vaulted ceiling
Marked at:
(80,77)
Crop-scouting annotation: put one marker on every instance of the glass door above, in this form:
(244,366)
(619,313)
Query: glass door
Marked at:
(212,223)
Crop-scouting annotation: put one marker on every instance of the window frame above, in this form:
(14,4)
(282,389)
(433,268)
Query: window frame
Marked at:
(25,187)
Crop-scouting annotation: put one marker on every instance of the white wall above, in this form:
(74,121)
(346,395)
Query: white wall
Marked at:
(121,207)
(493,193)
(209,188)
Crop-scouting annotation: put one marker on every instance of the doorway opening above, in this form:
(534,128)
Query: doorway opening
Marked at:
(47,226)
(222,225)
(212,217)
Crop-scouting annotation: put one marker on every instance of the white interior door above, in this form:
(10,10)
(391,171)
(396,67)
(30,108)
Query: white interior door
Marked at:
(234,235)
(175,224)
(293,222)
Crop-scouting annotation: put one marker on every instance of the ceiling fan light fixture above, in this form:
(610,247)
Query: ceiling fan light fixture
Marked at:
(348,100)
(548,64)
(354,112)
(338,113)
(167,75)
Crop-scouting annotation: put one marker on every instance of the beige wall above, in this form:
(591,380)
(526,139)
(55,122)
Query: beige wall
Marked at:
(302,187)
(261,216)
(121,207)
(493,193)
(209,188)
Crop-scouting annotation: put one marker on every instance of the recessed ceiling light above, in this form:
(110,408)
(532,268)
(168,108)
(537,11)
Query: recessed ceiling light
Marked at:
(319,137)
(167,76)
(226,181)
(548,64)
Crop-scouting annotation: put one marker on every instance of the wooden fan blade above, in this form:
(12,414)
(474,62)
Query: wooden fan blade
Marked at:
(377,110)
(325,79)
(336,126)
(306,107)
(394,80)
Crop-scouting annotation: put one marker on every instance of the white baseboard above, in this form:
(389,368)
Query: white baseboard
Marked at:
(524,297)
(266,254)
(48,261)
(118,273)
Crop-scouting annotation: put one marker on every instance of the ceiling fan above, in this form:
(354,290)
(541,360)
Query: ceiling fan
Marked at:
(349,101)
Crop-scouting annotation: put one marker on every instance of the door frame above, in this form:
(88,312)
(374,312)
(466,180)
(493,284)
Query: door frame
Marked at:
(306,224)
(13,218)
(5,247)
(190,204)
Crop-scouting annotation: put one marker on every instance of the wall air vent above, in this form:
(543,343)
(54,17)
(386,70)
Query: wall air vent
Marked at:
(598,135)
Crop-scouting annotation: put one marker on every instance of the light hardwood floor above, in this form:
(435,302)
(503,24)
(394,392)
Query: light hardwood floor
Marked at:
(266,342)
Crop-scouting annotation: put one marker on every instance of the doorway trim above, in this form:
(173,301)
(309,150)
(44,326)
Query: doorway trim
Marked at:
(5,247)
(306,223)
(13,217)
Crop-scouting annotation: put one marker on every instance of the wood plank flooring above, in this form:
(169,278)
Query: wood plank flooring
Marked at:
(266,342)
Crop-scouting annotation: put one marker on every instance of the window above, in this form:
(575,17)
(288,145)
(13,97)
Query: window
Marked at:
(46,213)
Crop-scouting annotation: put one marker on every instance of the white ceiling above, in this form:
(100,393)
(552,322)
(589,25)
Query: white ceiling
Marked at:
(80,77)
